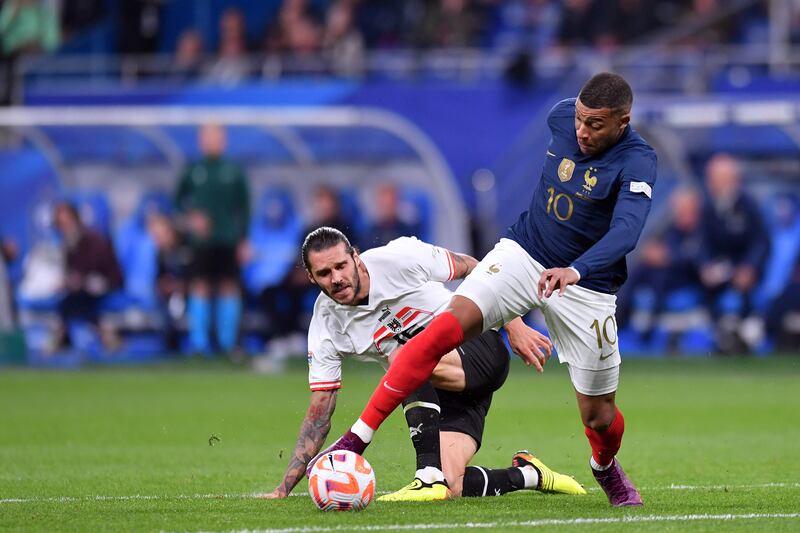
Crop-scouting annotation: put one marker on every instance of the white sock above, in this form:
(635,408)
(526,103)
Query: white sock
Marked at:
(363,431)
(531,476)
(429,474)
(598,467)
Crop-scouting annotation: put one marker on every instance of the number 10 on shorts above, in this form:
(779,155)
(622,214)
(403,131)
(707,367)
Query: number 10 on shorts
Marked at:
(606,333)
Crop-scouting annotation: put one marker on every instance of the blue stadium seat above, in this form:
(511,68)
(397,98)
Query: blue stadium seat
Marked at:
(275,238)
(137,252)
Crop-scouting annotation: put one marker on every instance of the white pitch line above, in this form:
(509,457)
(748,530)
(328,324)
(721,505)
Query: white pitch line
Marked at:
(100,498)
(631,519)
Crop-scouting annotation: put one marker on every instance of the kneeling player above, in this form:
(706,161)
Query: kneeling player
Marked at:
(369,306)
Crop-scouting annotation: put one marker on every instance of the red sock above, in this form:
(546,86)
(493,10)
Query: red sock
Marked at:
(414,364)
(605,445)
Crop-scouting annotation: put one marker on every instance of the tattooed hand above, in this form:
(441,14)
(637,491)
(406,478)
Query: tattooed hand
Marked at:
(313,431)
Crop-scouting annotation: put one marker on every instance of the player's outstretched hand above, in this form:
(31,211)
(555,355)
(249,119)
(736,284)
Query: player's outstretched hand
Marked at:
(556,278)
(533,347)
(276,494)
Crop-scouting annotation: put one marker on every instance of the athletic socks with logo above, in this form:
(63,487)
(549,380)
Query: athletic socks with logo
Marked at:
(422,415)
(479,481)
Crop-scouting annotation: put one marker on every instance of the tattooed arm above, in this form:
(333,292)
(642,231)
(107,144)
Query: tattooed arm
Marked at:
(313,431)
(464,264)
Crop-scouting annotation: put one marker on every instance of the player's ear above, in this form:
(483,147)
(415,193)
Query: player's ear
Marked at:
(624,118)
(311,278)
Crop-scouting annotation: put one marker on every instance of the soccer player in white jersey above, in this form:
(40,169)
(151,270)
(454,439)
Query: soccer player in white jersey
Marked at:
(370,305)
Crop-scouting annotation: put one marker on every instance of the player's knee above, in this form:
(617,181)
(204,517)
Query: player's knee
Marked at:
(598,419)
(468,314)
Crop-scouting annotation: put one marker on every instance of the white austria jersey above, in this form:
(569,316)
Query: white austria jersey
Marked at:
(406,291)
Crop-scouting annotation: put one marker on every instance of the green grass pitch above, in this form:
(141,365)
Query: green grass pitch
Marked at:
(713,445)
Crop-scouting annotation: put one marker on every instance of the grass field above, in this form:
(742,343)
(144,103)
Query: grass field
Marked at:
(713,444)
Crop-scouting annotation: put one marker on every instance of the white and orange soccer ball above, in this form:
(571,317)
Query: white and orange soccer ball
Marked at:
(341,481)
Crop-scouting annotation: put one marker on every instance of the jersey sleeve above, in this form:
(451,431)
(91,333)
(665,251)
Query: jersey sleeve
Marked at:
(432,263)
(324,361)
(628,219)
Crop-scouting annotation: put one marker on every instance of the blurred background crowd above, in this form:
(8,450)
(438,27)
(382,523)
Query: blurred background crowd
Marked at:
(126,238)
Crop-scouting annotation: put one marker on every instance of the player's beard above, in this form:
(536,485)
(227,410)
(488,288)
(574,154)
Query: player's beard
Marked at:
(354,284)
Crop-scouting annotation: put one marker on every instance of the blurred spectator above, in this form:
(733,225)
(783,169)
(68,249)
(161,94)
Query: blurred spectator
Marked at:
(140,26)
(326,210)
(26,27)
(92,272)
(174,259)
(732,257)
(381,22)
(294,29)
(668,263)
(779,295)
(232,65)
(286,301)
(632,19)
(8,253)
(447,24)
(342,42)
(213,199)
(783,315)
(188,60)
(79,14)
(783,220)
(293,41)
(584,23)
(389,223)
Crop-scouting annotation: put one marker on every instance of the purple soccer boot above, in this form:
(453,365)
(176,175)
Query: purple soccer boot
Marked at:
(617,486)
(349,441)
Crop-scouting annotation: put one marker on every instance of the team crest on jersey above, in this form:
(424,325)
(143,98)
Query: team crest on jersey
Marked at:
(565,169)
(589,180)
(399,327)
(390,321)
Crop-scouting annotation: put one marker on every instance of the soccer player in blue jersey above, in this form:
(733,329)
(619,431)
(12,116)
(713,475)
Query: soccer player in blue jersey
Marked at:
(566,256)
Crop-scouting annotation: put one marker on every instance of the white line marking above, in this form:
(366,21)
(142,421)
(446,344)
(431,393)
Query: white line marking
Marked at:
(99,498)
(632,519)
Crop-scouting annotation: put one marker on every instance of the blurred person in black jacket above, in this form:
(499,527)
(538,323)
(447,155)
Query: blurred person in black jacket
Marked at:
(92,272)
(733,255)
(389,222)
(174,260)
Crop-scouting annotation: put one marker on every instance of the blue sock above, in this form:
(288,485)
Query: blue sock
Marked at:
(198,314)
(229,311)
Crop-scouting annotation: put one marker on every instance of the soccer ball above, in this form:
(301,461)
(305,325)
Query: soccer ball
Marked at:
(341,481)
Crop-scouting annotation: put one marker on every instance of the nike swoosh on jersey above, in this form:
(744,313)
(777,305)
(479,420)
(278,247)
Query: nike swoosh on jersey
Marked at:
(601,358)
(551,153)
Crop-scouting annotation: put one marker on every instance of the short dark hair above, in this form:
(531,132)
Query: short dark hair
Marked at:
(607,90)
(322,239)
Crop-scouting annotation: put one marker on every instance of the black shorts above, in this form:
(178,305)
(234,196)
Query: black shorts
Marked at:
(214,263)
(486,361)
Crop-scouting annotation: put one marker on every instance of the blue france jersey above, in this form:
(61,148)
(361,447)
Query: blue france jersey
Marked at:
(588,211)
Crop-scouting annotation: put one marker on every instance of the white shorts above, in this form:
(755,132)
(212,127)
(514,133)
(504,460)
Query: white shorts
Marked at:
(594,382)
(582,324)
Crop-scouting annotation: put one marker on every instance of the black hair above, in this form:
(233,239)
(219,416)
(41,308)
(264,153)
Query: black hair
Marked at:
(607,90)
(322,239)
